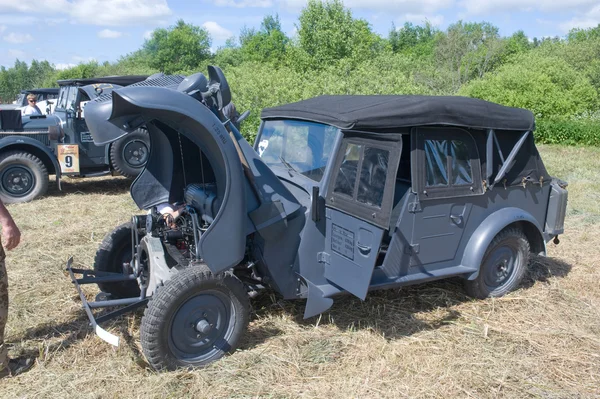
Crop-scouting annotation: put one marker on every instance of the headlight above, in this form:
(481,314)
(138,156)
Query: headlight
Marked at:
(55,133)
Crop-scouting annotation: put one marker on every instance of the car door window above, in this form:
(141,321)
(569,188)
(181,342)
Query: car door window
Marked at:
(448,163)
(346,178)
(373,173)
(62,101)
(71,98)
(363,179)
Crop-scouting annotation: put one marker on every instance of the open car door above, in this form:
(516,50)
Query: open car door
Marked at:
(358,208)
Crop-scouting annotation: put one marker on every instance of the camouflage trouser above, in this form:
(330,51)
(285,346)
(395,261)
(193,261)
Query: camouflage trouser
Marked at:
(3,311)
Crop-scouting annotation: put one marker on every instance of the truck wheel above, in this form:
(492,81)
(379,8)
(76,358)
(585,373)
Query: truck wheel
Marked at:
(503,265)
(129,155)
(23,177)
(114,251)
(194,319)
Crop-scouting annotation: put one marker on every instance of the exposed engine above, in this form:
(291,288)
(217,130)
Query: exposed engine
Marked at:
(180,226)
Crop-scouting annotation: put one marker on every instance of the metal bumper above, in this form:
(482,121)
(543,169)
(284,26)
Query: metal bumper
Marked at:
(126,304)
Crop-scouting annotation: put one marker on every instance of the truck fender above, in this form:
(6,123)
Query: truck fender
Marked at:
(22,142)
(491,226)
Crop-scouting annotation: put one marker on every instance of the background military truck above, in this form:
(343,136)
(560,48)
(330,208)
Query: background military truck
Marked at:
(34,147)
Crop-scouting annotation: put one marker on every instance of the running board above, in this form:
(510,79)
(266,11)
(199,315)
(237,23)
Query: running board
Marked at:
(94,277)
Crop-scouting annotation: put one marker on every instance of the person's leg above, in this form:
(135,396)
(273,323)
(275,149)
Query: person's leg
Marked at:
(3,314)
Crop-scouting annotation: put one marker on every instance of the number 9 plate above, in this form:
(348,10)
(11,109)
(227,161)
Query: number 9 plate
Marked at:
(68,158)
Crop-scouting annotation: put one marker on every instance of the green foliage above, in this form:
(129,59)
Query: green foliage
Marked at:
(414,39)
(469,50)
(266,45)
(548,86)
(568,131)
(335,53)
(179,48)
(328,33)
(22,76)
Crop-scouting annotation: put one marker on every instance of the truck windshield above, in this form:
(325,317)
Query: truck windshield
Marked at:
(299,146)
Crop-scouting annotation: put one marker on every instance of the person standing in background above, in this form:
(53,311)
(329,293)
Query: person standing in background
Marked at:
(32,108)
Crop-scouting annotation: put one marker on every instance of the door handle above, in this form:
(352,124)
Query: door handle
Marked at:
(458,219)
(364,249)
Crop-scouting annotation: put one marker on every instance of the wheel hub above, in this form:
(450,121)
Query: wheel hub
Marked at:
(201,324)
(17,180)
(501,264)
(135,153)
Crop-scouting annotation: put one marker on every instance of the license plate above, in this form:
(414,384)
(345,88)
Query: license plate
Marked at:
(68,158)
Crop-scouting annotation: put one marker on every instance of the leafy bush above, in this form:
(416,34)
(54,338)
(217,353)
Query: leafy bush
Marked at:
(568,131)
(548,86)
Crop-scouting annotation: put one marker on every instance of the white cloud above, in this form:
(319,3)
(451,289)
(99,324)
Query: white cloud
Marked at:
(18,38)
(590,19)
(33,6)
(492,6)
(244,3)
(420,19)
(60,66)
(16,53)
(95,12)
(405,6)
(217,31)
(148,34)
(109,34)
(2,28)
(120,12)
(55,21)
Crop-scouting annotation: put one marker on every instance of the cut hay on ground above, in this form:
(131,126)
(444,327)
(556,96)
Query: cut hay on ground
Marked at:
(424,341)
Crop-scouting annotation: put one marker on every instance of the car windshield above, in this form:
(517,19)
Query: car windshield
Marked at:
(299,146)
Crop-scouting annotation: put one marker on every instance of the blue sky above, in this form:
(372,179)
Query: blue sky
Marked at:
(67,32)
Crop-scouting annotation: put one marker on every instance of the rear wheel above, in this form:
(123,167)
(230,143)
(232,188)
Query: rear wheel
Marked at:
(194,319)
(113,253)
(129,155)
(503,265)
(23,177)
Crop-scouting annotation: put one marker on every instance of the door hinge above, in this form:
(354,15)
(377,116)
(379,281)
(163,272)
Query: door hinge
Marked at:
(412,249)
(323,257)
(414,207)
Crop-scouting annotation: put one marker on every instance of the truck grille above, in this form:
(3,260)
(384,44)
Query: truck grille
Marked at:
(40,136)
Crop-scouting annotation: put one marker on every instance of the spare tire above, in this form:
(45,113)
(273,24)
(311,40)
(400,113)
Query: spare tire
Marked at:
(129,155)
(114,251)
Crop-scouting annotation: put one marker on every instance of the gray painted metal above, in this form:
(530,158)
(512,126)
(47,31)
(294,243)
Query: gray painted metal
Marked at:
(488,229)
(352,246)
(135,106)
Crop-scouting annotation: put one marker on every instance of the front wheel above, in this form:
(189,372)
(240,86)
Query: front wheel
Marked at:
(503,265)
(23,177)
(194,319)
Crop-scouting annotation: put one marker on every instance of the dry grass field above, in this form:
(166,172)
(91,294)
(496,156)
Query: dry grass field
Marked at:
(424,341)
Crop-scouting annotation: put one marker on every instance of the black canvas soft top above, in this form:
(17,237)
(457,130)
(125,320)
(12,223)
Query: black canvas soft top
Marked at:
(124,80)
(381,112)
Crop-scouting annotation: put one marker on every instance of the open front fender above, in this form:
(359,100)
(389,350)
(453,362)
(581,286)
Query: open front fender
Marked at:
(485,233)
(168,113)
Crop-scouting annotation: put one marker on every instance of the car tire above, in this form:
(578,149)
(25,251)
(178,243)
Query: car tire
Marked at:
(194,319)
(23,177)
(114,251)
(503,265)
(129,155)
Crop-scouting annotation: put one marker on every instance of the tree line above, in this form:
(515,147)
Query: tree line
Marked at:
(332,52)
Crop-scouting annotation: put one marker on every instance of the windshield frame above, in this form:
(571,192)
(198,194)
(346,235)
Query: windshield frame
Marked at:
(291,167)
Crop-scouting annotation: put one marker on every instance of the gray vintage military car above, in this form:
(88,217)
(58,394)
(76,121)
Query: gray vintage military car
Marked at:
(340,194)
